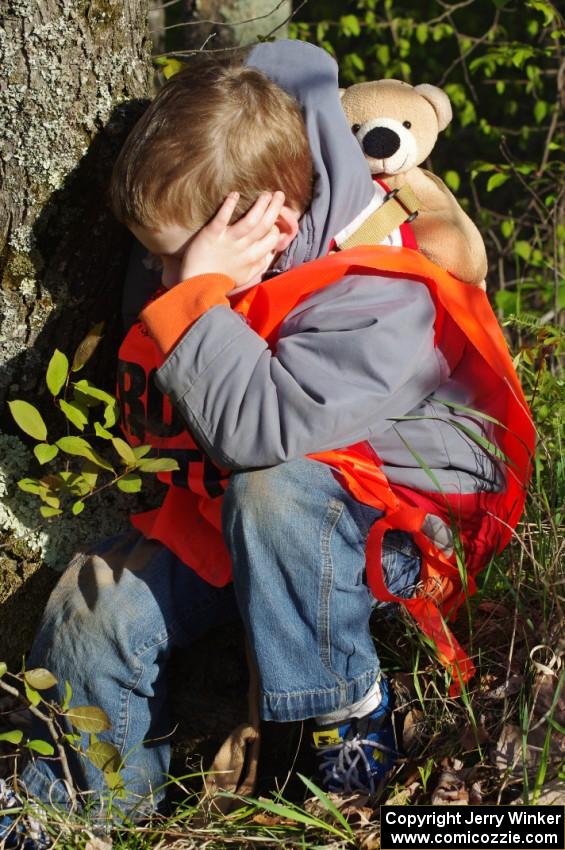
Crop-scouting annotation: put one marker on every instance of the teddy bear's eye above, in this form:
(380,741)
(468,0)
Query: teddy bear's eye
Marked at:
(407,124)
(355,127)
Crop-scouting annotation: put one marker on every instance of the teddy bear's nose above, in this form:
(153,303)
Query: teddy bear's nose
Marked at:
(380,142)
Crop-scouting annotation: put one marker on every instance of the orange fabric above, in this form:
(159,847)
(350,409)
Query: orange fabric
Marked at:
(169,317)
(189,522)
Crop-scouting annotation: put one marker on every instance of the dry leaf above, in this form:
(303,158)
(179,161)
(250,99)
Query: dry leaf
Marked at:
(509,753)
(265,819)
(552,794)
(404,796)
(451,789)
(353,807)
(371,842)
(503,690)
(413,731)
(546,686)
(473,735)
(95,843)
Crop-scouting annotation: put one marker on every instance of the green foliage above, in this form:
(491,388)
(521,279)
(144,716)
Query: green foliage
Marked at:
(28,687)
(502,154)
(78,402)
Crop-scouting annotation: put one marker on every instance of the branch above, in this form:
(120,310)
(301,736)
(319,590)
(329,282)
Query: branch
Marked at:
(55,734)
(178,53)
(224,23)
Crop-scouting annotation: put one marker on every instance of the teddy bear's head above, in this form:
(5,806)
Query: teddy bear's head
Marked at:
(395,123)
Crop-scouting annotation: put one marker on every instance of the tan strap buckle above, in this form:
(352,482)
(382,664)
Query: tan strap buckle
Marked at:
(400,205)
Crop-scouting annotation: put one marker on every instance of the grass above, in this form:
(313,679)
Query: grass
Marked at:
(514,624)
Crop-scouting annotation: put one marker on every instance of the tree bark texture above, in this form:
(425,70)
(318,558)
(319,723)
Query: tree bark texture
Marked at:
(67,65)
(240,22)
(73,76)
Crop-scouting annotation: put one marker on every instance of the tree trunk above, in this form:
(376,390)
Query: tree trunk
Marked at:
(68,67)
(240,22)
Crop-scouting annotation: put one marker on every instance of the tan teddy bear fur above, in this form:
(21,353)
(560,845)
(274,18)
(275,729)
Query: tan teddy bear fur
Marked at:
(397,125)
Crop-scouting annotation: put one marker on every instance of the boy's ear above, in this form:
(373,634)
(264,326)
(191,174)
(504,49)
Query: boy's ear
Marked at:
(287,223)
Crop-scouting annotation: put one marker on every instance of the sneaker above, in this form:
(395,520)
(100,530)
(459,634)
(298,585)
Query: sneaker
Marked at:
(359,753)
(19,831)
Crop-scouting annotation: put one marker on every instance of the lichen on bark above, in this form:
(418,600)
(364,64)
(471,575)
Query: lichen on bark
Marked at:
(67,67)
(73,76)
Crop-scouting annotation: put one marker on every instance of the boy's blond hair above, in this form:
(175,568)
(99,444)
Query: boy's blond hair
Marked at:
(212,129)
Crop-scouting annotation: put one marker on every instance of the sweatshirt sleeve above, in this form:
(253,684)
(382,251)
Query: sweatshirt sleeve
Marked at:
(347,359)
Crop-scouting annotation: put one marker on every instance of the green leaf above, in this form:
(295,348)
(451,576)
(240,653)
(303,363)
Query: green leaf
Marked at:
(47,511)
(88,718)
(452,180)
(350,25)
(114,781)
(45,452)
(496,180)
(40,678)
(141,451)
(3,668)
(169,67)
(87,347)
(111,413)
(87,389)
(90,474)
(422,33)
(33,696)
(104,756)
(540,111)
(383,54)
(507,228)
(41,747)
(57,372)
(72,738)
(102,432)
(68,696)
(158,464)
(74,413)
(80,447)
(29,485)
(125,451)
(28,418)
(130,483)
(14,736)
(523,249)
(47,495)
(77,508)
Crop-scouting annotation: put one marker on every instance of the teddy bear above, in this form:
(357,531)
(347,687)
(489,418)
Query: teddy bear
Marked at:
(397,125)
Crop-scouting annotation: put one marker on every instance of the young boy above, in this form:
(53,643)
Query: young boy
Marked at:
(341,369)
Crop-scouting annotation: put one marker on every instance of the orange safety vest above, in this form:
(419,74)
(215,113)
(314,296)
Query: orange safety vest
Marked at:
(189,520)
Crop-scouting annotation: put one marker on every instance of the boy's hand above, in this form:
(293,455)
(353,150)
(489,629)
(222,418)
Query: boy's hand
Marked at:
(243,250)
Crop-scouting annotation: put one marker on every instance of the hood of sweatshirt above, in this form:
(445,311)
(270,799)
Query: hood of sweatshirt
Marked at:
(343,186)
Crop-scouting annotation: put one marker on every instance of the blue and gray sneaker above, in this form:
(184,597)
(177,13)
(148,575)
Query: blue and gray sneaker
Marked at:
(19,831)
(358,754)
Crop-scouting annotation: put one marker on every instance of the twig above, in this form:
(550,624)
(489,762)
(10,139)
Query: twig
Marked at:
(225,23)
(237,47)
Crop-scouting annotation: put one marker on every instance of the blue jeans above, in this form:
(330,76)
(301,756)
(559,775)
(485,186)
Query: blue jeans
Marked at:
(297,541)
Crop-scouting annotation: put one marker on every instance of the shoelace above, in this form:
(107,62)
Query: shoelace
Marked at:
(340,764)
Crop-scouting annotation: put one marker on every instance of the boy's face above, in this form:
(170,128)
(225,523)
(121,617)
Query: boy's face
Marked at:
(168,242)
(244,250)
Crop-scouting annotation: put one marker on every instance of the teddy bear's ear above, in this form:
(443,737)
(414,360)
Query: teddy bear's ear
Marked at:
(440,102)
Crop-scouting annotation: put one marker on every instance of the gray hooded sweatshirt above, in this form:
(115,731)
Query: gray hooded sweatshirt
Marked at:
(351,359)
